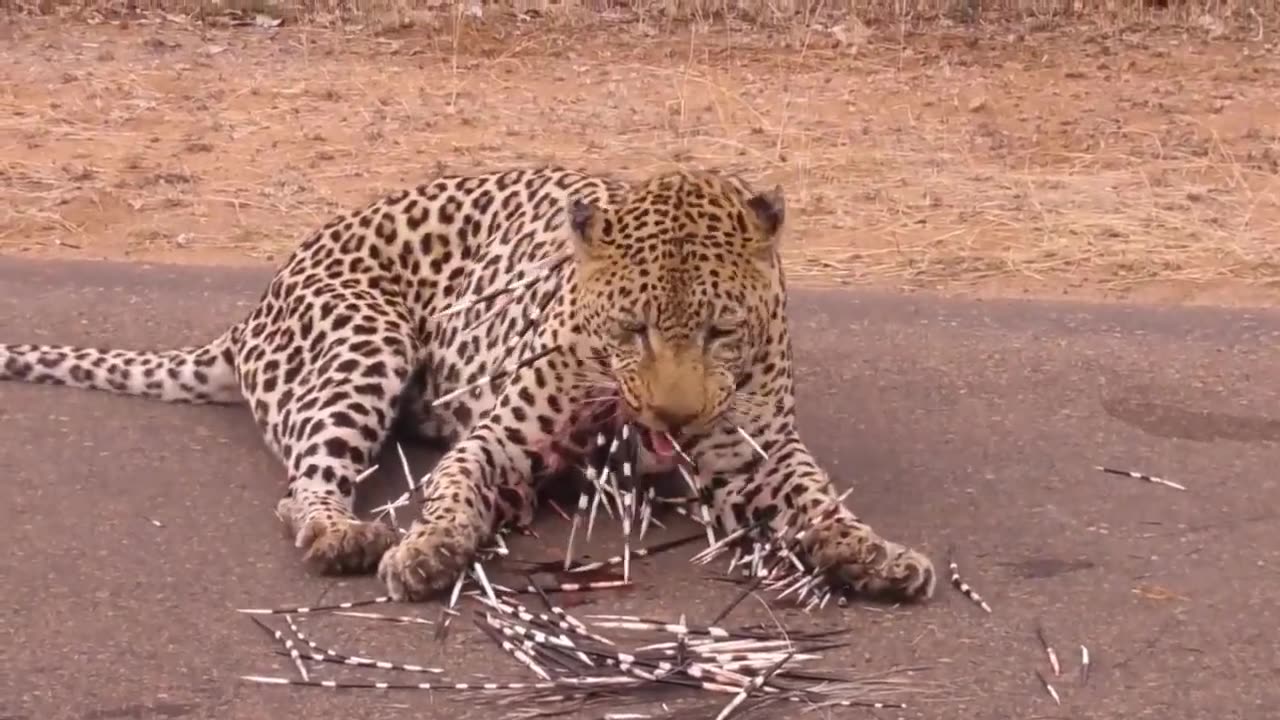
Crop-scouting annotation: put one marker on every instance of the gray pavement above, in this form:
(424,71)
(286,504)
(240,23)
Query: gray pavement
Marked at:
(973,424)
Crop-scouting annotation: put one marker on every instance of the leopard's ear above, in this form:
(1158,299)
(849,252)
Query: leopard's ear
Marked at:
(770,210)
(588,224)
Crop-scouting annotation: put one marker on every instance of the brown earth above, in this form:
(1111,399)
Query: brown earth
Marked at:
(1128,160)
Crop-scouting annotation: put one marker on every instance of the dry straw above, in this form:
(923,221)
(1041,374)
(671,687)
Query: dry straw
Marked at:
(759,10)
(904,199)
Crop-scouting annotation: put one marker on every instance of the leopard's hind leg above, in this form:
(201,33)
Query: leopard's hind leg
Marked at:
(324,380)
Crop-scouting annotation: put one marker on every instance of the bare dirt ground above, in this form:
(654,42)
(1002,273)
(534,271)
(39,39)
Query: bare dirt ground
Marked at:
(1114,161)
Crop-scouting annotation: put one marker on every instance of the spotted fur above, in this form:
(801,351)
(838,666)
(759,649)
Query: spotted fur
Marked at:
(669,309)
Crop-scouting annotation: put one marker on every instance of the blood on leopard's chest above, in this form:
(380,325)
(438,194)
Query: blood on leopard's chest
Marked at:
(594,438)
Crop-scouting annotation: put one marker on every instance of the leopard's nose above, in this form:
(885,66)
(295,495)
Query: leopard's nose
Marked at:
(674,419)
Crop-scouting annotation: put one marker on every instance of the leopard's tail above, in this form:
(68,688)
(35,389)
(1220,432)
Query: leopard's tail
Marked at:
(200,374)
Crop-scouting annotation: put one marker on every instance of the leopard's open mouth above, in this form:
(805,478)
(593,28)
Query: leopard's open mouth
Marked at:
(658,443)
(614,415)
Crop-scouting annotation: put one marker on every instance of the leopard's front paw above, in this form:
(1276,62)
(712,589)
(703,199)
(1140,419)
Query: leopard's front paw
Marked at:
(342,545)
(855,555)
(428,560)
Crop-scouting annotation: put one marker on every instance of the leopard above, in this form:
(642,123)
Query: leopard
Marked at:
(521,296)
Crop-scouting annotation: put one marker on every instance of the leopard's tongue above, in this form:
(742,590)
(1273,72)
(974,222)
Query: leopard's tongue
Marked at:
(661,444)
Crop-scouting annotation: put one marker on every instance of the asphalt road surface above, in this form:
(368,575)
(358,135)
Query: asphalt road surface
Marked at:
(131,529)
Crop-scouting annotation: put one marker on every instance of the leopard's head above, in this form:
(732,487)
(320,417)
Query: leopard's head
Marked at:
(680,285)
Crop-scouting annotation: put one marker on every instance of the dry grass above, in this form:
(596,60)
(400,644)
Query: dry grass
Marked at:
(757,10)
(1099,155)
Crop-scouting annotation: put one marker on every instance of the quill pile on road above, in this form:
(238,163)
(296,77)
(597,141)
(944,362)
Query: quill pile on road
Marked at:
(573,661)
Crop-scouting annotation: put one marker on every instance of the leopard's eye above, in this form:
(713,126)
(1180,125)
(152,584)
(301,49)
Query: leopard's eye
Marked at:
(721,332)
(724,326)
(629,330)
(632,326)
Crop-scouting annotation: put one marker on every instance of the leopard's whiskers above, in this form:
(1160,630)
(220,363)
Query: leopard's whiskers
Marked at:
(600,399)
